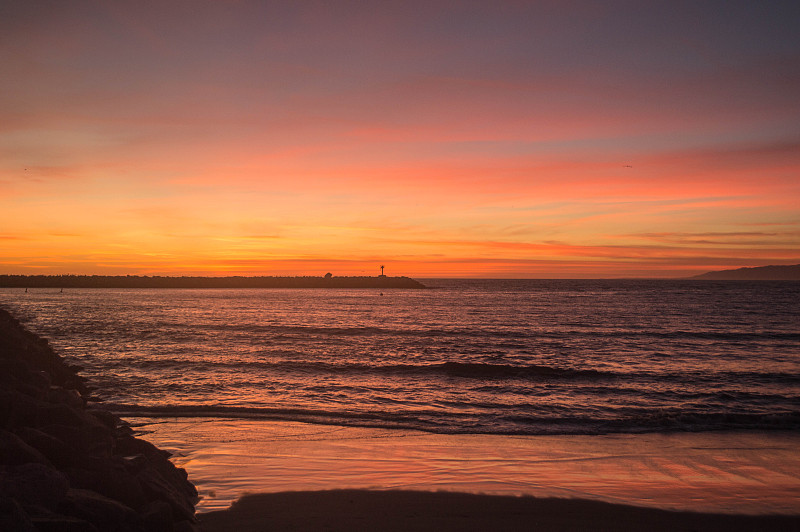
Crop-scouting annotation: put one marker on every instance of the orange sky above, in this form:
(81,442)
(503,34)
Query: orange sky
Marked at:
(503,139)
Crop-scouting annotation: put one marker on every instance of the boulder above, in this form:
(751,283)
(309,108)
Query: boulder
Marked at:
(74,437)
(34,485)
(55,450)
(63,523)
(14,451)
(156,487)
(19,410)
(13,518)
(186,526)
(110,478)
(61,414)
(103,512)
(59,394)
(157,516)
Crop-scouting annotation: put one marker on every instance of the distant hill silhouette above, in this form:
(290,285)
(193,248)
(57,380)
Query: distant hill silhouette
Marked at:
(761,273)
(139,281)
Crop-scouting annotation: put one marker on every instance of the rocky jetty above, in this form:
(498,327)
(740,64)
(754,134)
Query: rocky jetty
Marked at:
(144,281)
(66,466)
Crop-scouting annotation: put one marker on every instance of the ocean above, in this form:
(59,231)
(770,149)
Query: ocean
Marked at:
(502,357)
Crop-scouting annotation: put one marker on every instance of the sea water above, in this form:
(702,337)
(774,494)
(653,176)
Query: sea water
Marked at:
(523,357)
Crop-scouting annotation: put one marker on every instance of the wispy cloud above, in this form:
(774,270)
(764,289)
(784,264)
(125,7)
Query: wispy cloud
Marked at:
(505,139)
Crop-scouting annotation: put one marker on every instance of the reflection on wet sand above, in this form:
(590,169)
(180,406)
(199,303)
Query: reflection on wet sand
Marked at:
(710,472)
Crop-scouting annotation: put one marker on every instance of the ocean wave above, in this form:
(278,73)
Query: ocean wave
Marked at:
(452,369)
(498,332)
(647,356)
(432,421)
(477,370)
(677,420)
(447,369)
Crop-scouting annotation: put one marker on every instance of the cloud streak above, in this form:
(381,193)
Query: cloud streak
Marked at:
(511,139)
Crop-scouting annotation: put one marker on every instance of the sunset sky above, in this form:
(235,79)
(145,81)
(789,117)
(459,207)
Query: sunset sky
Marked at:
(442,139)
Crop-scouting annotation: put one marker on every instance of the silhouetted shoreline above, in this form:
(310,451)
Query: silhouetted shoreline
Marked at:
(761,273)
(144,281)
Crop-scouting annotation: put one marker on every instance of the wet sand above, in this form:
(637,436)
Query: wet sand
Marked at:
(350,510)
(727,473)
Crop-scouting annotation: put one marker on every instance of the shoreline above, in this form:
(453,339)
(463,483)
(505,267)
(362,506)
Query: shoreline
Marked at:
(720,472)
(303,477)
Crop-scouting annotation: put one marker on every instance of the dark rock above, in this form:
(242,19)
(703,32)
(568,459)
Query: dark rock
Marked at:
(14,451)
(52,448)
(105,513)
(26,386)
(131,446)
(157,517)
(6,406)
(86,439)
(41,379)
(19,410)
(11,368)
(20,346)
(73,437)
(61,414)
(62,523)
(175,477)
(13,518)
(58,394)
(66,468)
(136,463)
(110,478)
(158,488)
(34,485)
(107,418)
(185,526)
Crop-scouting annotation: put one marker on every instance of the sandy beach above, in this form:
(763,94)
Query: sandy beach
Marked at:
(316,477)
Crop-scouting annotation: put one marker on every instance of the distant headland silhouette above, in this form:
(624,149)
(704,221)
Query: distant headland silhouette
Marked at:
(761,273)
(144,281)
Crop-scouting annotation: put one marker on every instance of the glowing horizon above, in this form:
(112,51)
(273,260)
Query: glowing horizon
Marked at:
(473,140)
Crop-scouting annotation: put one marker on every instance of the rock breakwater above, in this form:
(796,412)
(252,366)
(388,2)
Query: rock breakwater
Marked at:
(66,465)
(234,282)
